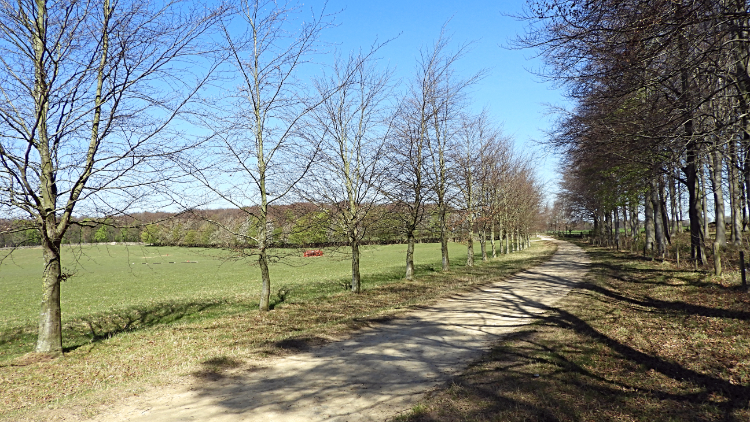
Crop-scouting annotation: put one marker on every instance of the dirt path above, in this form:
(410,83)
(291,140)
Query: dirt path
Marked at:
(377,373)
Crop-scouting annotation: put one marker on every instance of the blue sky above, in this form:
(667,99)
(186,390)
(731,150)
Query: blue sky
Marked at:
(512,94)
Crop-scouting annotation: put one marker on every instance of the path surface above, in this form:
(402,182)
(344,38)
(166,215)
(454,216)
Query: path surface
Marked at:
(380,372)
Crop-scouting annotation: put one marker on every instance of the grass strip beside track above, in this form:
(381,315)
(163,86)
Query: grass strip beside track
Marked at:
(639,341)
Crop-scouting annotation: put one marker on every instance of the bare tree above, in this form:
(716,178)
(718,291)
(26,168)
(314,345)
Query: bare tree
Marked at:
(409,179)
(352,126)
(447,98)
(468,162)
(87,92)
(256,152)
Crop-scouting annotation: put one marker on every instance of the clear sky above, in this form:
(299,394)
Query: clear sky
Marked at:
(512,94)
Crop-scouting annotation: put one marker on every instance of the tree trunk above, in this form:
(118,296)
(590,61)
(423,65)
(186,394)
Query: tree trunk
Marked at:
(634,226)
(470,249)
(265,290)
(664,213)
(734,195)
(509,240)
(743,205)
(716,172)
(410,255)
(745,196)
(483,243)
(660,243)
(681,214)
(356,284)
(444,239)
(492,240)
(673,204)
(704,203)
(50,318)
(649,223)
(695,212)
(597,228)
(617,228)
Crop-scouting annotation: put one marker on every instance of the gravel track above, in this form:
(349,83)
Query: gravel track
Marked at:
(377,373)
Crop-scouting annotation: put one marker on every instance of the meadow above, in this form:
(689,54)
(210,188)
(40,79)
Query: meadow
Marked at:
(118,281)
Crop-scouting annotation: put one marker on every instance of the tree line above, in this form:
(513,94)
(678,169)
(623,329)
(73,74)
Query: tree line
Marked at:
(659,125)
(301,225)
(113,106)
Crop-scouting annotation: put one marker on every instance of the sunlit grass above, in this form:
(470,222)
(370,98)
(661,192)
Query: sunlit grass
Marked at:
(107,278)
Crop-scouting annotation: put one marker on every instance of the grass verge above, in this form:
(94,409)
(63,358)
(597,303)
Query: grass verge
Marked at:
(638,341)
(196,341)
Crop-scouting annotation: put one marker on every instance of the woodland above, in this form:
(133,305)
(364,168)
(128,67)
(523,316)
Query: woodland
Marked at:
(658,137)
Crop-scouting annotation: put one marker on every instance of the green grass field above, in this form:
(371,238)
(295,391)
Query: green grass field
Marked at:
(120,281)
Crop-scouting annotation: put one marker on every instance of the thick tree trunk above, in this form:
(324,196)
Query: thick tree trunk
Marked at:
(649,221)
(716,178)
(50,318)
(695,212)
(659,240)
(595,231)
(410,255)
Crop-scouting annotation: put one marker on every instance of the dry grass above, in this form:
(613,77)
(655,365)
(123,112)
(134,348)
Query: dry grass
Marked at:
(201,343)
(639,341)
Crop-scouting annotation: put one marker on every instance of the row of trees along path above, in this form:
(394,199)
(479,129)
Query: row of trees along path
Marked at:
(659,123)
(187,107)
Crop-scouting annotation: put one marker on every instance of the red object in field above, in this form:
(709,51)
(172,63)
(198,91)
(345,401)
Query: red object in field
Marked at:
(315,252)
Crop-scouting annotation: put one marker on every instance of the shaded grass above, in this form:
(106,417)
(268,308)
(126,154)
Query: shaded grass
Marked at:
(117,352)
(639,341)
